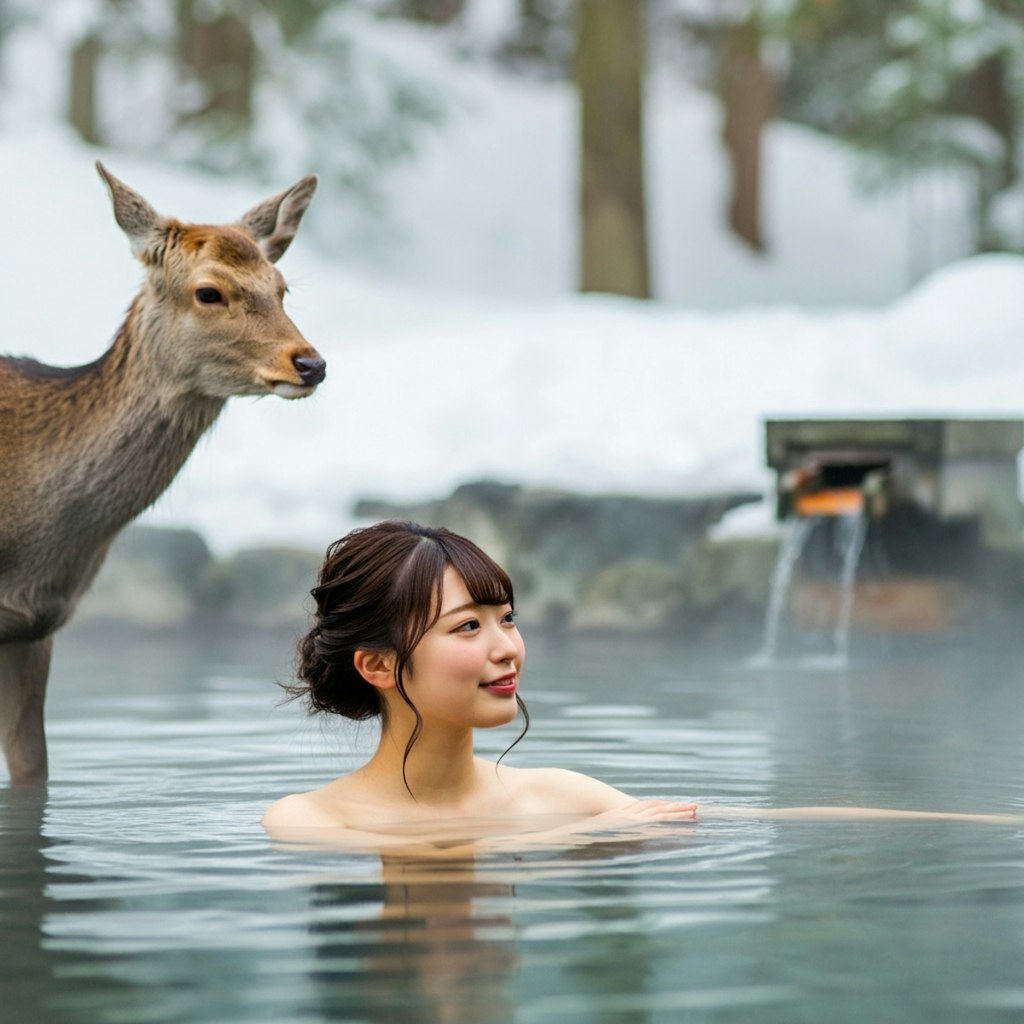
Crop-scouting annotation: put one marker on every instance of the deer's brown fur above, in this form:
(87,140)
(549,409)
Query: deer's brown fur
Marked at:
(83,450)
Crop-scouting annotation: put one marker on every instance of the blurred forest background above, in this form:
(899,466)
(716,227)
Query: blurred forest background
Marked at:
(272,89)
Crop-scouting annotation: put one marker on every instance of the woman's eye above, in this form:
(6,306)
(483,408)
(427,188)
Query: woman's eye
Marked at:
(468,626)
(209,296)
(509,618)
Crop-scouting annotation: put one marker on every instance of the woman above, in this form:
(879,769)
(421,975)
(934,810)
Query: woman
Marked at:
(415,626)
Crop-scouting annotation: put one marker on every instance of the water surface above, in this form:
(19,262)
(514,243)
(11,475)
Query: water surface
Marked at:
(140,887)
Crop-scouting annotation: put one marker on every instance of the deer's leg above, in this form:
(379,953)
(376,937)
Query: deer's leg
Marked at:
(24,667)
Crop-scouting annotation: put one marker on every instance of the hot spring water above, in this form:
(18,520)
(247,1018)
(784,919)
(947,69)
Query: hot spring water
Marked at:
(141,889)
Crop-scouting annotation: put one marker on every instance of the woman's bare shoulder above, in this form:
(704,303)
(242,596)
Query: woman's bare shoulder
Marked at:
(300,810)
(562,790)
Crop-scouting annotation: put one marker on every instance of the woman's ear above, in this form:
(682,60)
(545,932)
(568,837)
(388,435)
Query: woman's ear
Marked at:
(376,667)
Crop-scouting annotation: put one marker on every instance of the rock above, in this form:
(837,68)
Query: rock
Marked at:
(736,570)
(153,578)
(635,593)
(158,579)
(580,560)
(265,587)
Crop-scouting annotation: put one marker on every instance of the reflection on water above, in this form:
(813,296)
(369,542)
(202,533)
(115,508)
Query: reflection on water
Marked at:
(140,888)
(430,942)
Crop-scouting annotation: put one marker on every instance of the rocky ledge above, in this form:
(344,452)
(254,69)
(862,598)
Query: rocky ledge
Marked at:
(578,562)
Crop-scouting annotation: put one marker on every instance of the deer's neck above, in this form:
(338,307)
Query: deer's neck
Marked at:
(127,427)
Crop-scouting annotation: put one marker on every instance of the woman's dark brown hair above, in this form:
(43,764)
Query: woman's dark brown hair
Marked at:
(379,589)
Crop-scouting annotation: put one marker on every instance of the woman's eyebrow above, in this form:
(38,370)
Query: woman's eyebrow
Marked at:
(461,608)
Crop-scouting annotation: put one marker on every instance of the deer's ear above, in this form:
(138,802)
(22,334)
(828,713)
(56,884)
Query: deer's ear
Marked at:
(137,219)
(273,222)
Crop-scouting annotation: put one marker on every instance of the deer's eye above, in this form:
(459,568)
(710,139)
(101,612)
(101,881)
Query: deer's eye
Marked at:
(209,296)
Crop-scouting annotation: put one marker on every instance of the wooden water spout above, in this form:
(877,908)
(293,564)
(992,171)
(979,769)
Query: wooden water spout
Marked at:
(942,500)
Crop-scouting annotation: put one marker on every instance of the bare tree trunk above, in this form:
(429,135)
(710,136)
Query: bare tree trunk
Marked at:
(85,58)
(437,11)
(986,94)
(748,92)
(610,64)
(221,55)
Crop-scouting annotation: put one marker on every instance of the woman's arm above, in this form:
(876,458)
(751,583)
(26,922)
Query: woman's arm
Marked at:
(854,814)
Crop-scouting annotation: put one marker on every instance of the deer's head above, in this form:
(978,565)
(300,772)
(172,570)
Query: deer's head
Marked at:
(216,297)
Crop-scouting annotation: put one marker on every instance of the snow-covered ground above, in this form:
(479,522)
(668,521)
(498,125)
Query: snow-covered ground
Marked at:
(462,353)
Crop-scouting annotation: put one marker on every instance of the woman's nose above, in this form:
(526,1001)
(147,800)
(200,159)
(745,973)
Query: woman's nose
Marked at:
(505,647)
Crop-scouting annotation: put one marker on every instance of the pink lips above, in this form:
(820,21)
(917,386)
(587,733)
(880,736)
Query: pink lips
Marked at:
(505,685)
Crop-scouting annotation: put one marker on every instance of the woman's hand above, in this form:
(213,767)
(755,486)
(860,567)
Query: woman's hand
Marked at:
(649,810)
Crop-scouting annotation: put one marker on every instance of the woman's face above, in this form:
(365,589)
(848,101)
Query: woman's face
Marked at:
(465,670)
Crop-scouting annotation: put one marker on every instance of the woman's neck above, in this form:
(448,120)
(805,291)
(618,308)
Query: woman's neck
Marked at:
(441,770)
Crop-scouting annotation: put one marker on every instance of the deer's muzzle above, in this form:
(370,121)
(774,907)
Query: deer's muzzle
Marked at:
(311,370)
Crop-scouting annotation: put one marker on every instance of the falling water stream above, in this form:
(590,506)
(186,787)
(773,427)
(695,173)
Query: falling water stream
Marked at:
(851,531)
(850,541)
(796,532)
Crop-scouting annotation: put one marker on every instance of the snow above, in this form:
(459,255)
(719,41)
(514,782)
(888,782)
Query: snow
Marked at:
(462,353)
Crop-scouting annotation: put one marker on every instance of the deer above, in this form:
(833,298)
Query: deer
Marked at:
(86,449)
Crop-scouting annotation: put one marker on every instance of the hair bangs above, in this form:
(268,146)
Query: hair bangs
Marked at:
(485,580)
(418,588)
